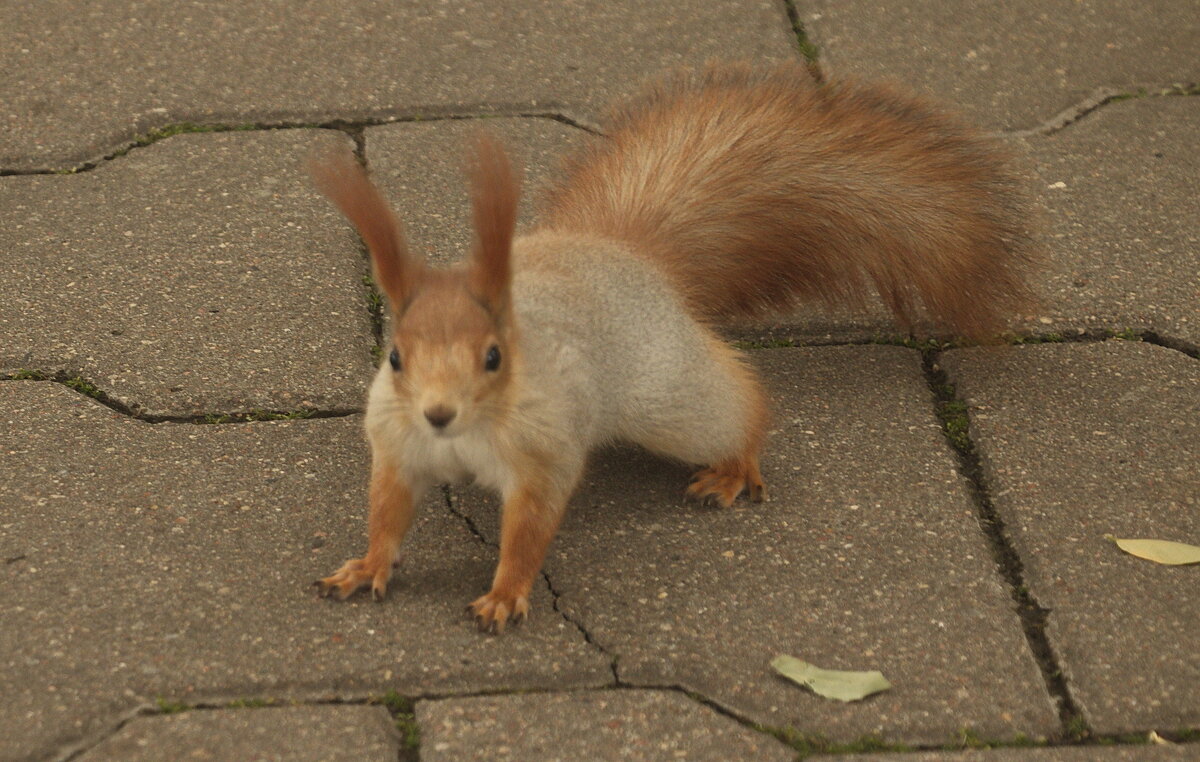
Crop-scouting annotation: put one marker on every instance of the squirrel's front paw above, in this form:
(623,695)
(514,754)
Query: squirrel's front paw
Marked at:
(355,575)
(492,611)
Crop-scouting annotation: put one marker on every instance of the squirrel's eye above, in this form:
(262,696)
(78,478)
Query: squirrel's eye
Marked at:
(394,359)
(492,361)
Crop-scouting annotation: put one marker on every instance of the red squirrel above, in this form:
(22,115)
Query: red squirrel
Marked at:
(713,195)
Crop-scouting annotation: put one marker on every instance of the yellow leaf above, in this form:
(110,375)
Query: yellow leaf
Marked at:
(831,683)
(1159,551)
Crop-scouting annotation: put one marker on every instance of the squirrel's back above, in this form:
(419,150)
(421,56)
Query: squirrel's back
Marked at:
(756,190)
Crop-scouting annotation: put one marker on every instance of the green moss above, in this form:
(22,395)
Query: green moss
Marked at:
(405,718)
(766,344)
(1127,334)
(251,703)
(956,425)
(807,47)
(81,386)
(1048,338)
(808,744)
(1077,728)
(170,707)
(161,133)
(29,375)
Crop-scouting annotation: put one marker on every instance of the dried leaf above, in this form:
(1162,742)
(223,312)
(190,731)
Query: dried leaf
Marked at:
(1159,551)
(831,683)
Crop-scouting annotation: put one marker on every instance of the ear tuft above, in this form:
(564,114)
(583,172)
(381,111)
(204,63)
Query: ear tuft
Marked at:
(494,194)
(340,177)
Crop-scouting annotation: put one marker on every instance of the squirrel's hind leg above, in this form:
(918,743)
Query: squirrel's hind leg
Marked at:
(726,480)
(733,413)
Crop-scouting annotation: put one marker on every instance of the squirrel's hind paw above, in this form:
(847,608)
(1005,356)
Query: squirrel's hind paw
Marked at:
(723,483)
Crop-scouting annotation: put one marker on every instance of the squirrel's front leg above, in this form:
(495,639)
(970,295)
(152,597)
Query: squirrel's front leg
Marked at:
(528,523)
(391,514)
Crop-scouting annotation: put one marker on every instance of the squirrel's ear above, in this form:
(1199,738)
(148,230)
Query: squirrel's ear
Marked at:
(340,177)
(494,194)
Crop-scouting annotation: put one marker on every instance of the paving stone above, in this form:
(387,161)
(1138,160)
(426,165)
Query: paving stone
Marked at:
(1080,441)
(1120,187)
(420,167)
(593,725)
(86,80)
(174,561)
(1011,65)
(201,274)
(867,556)
(291,734)
(1061,754)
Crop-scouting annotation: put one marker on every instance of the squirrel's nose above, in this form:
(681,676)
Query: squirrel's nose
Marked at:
(439,416)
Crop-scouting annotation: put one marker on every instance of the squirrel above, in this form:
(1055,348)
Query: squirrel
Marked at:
(713,195)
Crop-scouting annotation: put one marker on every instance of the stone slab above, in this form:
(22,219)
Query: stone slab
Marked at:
(1124,245)
(84,81)
(867,556)
(1012,65)
(200,274)
(1060,754)
(1083,440)
(420,167)
(287,734)
(592,725)
(174,561)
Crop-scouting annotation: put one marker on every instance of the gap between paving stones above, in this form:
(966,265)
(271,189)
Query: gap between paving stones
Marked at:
(82,386)
(402,710)
(351,127)
(87,389)
(952,412)
(806,47)
(354,127)
(1099,99)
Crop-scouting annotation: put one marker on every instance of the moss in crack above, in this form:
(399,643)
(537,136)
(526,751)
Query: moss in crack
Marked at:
(375,306)
(809,744)
(256,415)
(404,715)
(250,703)
(170,707)
(161,133)
(805,46)
(766,344)
(1047,338)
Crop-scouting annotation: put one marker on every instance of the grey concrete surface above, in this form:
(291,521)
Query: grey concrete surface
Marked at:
(867,556)
(1063,754)
(175,561)
(86,80)
(285,734)
(420,167)
(592,725)
(1120,192)
(200,274)
(149,567)
(1080,441)
(1009,65)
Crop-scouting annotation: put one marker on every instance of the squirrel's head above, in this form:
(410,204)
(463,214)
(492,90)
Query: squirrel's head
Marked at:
(453,339)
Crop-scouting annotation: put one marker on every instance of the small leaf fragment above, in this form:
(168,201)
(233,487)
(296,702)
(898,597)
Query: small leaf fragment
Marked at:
(1159,551)
(831,683)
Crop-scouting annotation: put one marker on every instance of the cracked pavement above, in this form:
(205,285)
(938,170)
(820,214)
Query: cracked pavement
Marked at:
(188,333)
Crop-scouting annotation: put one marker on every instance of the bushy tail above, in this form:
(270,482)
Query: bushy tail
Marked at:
(758,190)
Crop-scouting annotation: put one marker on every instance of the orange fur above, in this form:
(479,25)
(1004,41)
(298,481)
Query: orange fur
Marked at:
(390,517)
(495,193)
(345,182)
(755,190)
